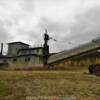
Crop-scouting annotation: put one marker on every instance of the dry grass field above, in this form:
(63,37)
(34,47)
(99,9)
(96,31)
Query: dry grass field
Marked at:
(49,85)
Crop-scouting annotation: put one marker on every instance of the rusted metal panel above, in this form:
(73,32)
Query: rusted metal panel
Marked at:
(94,69)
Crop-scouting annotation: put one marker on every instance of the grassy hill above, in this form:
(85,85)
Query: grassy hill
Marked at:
(49,85)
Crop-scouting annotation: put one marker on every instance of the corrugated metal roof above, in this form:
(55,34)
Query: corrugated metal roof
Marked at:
(68,53)
(13,43)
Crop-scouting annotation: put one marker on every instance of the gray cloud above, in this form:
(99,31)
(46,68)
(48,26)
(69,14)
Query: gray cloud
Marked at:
(70,22)
(83,30)
(4,35)
(27,5)
(53,26)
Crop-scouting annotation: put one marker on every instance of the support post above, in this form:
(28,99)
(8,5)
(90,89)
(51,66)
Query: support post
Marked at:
(1,49)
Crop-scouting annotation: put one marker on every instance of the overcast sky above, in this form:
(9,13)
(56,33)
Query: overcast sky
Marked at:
(70,22)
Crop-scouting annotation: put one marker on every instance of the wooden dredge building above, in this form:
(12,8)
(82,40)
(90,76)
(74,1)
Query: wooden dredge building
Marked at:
(21,55)
(83,55)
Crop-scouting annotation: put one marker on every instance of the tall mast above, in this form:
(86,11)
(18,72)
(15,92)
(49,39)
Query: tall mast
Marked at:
(46,48)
